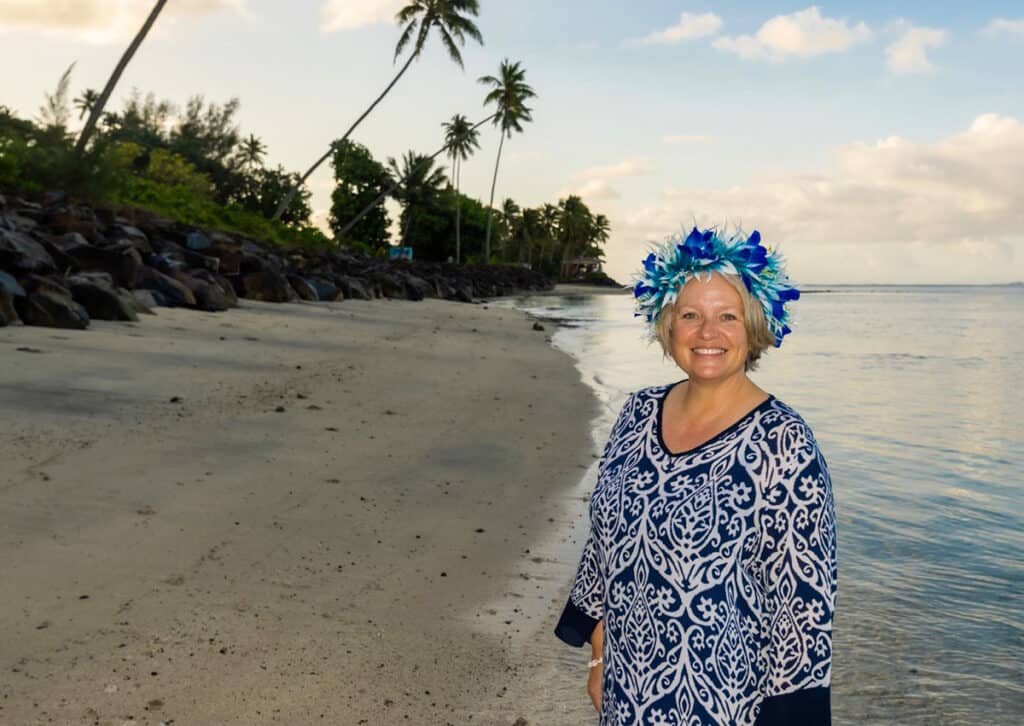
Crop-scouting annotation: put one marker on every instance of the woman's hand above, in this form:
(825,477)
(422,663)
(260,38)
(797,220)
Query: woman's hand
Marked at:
(595,679)
(594,682)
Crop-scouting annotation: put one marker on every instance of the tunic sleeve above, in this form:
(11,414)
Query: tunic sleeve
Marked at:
(798,570)
(585,607)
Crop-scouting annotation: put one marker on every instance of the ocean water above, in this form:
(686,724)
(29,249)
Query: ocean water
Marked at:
(916,397)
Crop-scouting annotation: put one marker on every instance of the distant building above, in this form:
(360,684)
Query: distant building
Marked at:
(580,267)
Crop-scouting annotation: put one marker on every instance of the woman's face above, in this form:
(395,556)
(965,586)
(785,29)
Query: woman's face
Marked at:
(709,338)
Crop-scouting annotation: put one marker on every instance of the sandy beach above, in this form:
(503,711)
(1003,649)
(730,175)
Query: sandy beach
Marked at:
(302,513)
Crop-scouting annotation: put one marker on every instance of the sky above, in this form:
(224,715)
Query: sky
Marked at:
(872,142)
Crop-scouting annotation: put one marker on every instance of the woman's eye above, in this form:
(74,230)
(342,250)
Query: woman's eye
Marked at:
(728,316)
(689,316)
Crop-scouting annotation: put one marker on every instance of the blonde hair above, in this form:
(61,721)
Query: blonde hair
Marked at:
(759,337)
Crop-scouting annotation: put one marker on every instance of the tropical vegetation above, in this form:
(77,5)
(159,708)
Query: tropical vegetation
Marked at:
(193,163)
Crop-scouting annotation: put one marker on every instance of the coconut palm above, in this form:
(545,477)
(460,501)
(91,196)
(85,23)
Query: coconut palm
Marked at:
(251,152)
(101,102)
(509,93)
(449,18)
(420,184)
(462,139)
(395,184)
(86,102)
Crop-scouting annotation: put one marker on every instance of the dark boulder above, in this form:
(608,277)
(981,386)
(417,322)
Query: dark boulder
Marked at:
(354,288)
(267,285)
(326,290)
(65,219)
(52,308)
(167,291)
(18,251)
(197,241)
(206,290)
(303,288)
(121,263)
(95,292)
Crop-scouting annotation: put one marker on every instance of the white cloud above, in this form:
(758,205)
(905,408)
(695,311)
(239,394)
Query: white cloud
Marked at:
(102,21)
(676,139)
(689,27)
(595,182)
(805,33)
(1000,26)
(957,198)
(352,14)
(909,53)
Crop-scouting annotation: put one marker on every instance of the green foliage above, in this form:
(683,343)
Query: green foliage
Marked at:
(360,179)
(263,188)
(419,193)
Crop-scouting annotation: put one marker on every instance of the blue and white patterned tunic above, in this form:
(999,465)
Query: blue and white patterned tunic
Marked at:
(714,571)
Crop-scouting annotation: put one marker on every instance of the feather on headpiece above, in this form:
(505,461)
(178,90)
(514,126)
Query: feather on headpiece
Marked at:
(678,260)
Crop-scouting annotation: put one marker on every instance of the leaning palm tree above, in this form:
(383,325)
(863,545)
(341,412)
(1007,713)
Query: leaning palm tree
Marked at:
(462,139)
(509,94)
(101,102)
(419,17)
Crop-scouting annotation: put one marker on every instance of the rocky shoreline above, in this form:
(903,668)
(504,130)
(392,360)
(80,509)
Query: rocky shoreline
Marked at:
(63,264)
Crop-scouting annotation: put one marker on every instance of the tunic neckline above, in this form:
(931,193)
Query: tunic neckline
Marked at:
(724,432)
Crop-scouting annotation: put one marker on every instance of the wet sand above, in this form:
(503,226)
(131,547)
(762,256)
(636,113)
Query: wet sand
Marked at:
(352,513)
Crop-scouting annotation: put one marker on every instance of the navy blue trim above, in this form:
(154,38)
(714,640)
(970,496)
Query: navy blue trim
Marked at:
(575,626)
(809,707)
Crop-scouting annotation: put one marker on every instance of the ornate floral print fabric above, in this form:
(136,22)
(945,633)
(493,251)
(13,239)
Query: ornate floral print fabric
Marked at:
(714,570)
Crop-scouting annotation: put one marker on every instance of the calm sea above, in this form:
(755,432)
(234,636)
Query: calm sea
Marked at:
(916,396)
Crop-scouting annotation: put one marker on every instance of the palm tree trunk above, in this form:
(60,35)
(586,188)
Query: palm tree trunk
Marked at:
(295,188)
(490,206)
(101,102)
(458,210)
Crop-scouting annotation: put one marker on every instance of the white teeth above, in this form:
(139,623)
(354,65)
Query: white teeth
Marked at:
(709,351)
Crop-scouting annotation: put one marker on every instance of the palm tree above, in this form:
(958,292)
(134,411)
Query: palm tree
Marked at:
(394,185)
(419,17)
(510,221)
(251,152)
(86,102)
(462,139)
(420,184)
(509,93)
(97,109)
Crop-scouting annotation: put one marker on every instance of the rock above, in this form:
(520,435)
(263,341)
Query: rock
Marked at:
(538,326)
(9,285)
(52,309)
(326,290)
(123,264)
(70,219)
(354,288)
(20,252)
(207,262)
(267,285)
(226,287)
(418,288)
(208,295)
(144,299)
(303,288)
(69,241)
(7,312)
(95,292)
(230,256)
(197,241)
(168,291)
(3,201)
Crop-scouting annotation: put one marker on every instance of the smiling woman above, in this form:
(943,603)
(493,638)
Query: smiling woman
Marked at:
(707,584)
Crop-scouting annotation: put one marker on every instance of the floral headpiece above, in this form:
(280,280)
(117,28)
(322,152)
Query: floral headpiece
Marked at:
(678,260)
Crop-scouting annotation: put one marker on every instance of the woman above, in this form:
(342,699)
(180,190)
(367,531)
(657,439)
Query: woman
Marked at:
(707,583)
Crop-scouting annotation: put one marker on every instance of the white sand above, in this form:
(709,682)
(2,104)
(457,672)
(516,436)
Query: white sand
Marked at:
(217,561)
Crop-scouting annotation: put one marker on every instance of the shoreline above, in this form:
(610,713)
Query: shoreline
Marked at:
(182,549)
